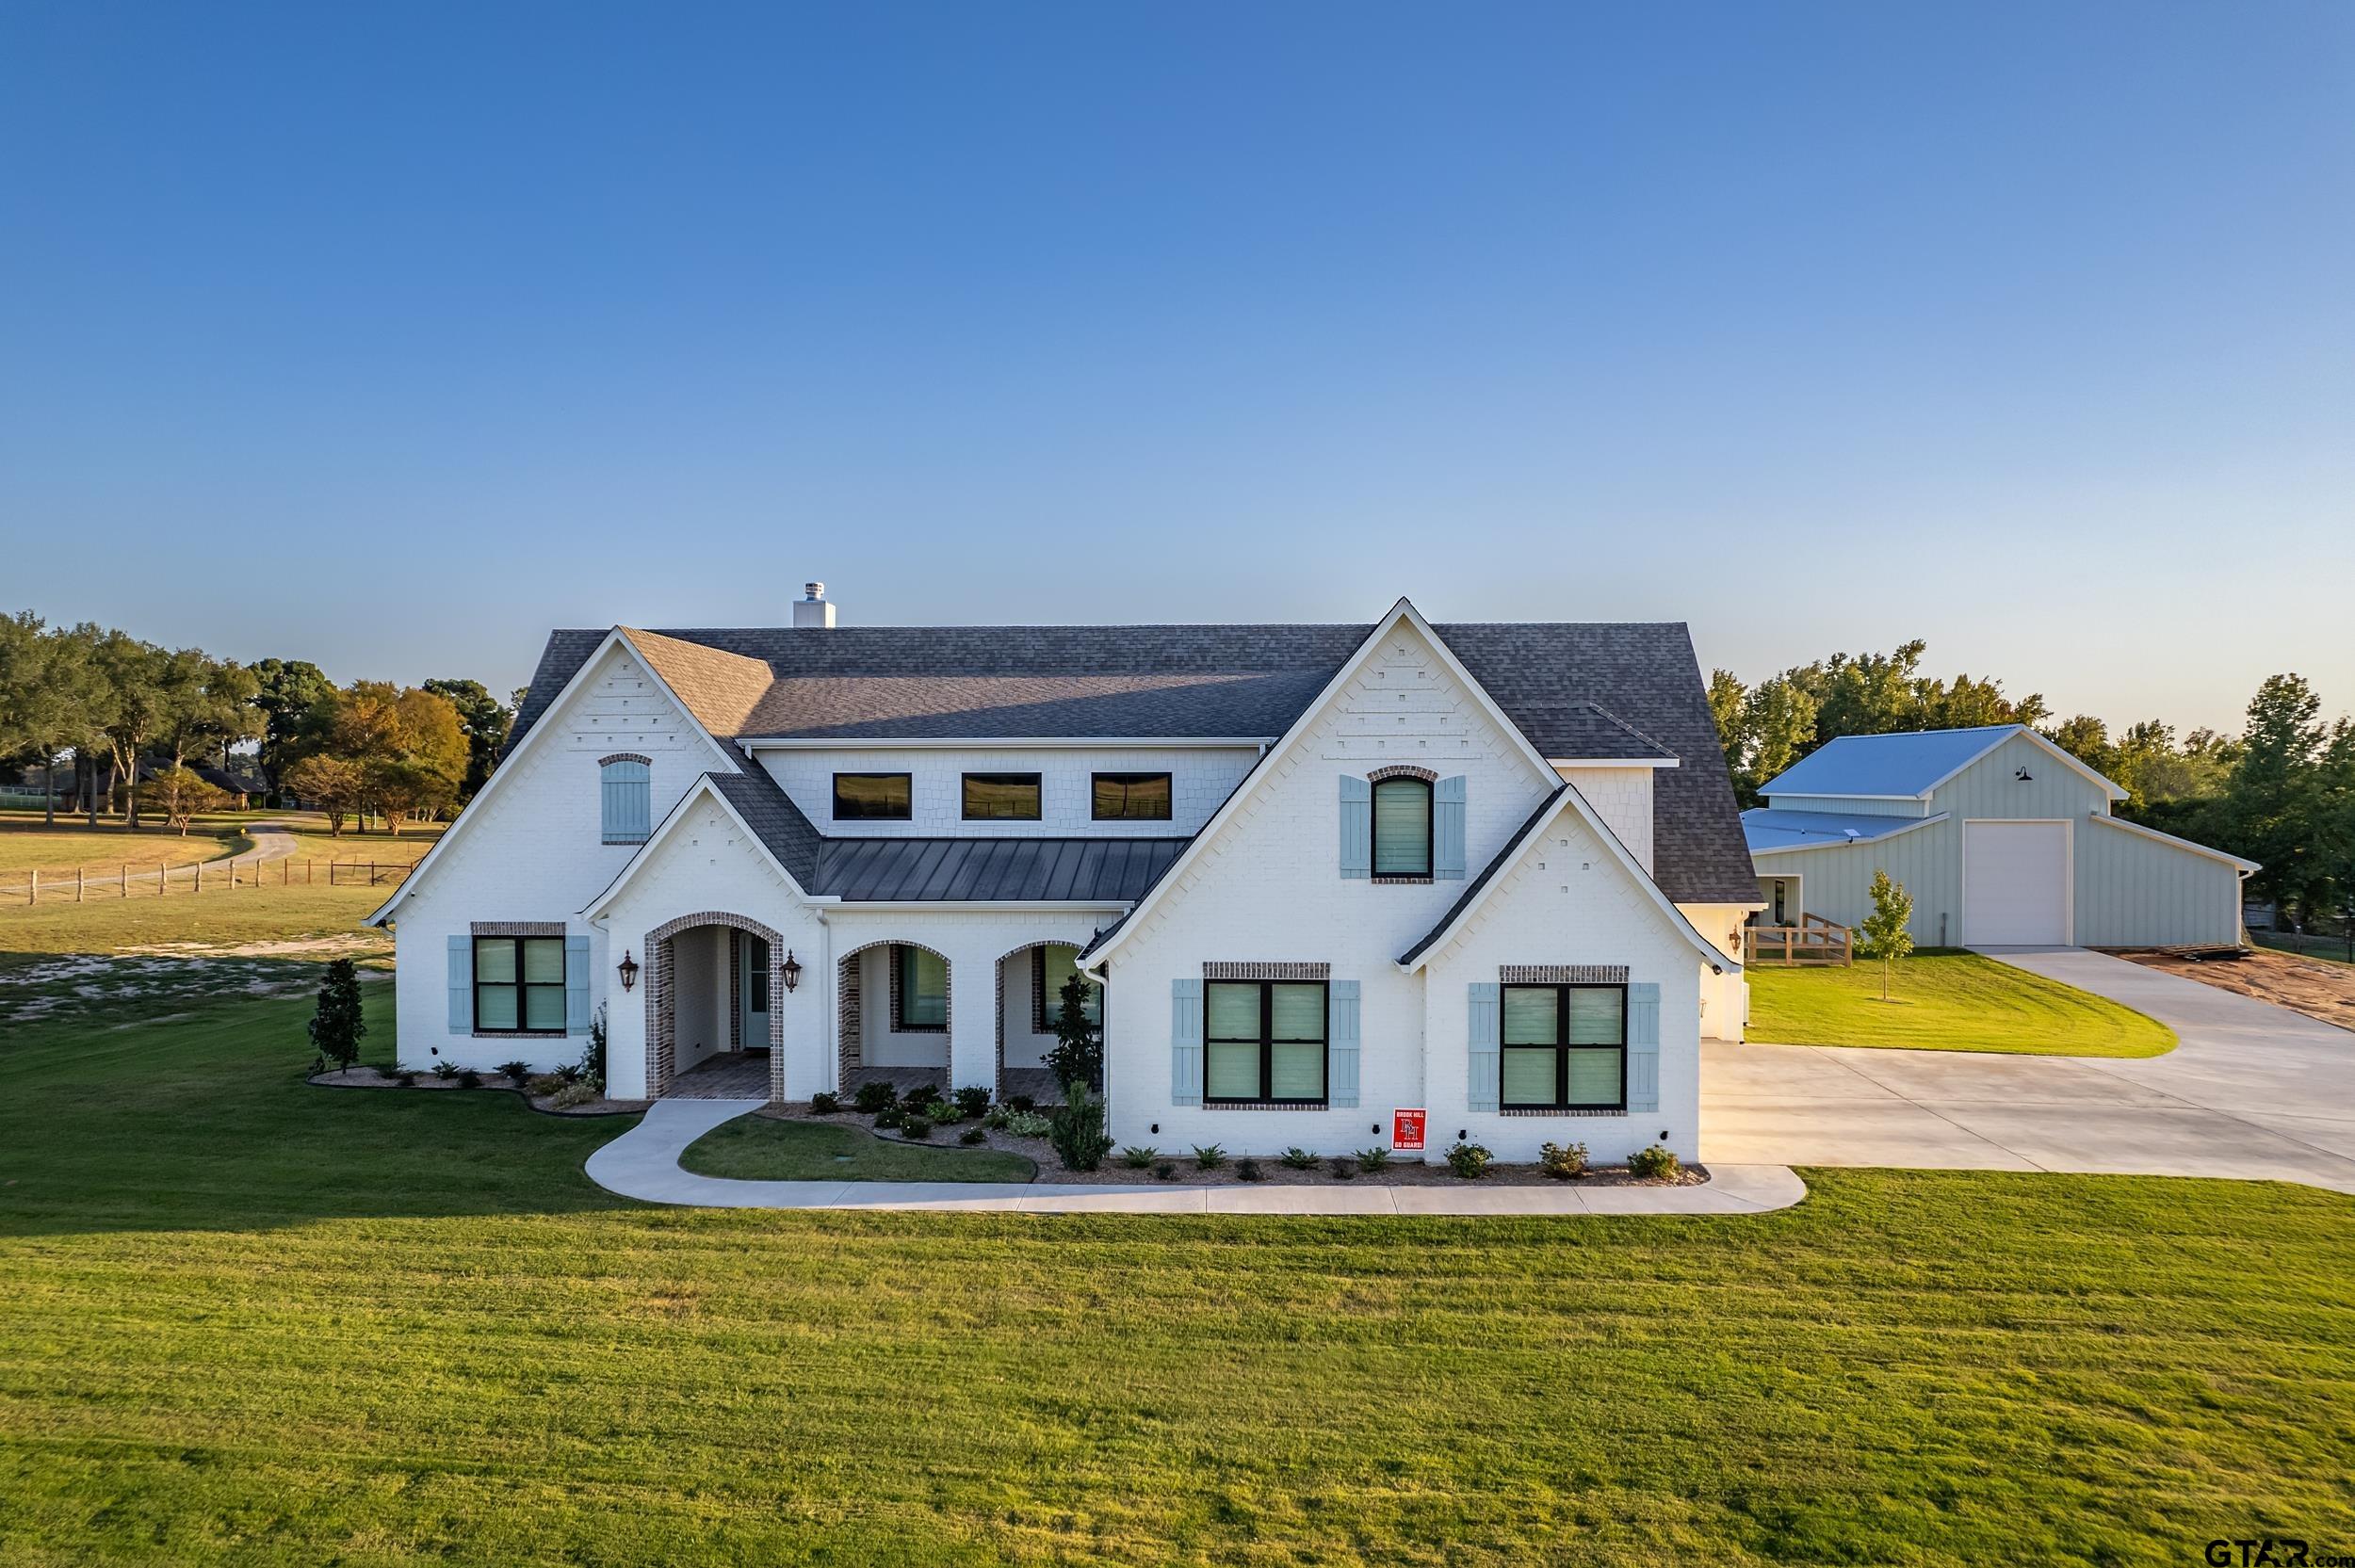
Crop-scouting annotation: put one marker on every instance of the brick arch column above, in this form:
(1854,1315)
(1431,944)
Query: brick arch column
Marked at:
(662,1003)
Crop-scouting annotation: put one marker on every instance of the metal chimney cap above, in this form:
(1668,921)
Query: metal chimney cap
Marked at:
(814,591)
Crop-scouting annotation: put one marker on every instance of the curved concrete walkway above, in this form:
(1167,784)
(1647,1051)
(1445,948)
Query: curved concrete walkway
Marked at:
(272,841)
(2254,1093)
(644,1163)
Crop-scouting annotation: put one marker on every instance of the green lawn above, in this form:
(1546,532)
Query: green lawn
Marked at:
(761,1148)
(1946,1000)
(25,844)
(248,1320)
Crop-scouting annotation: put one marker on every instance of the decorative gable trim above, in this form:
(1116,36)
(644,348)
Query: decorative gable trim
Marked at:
(1494,875)
(1097,953)
(702,789)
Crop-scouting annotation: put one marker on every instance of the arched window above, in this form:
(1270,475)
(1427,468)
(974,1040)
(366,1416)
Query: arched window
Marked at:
(627,797)
(1402,827)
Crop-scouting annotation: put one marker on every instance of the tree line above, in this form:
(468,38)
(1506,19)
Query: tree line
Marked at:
(126,724)
(2280,793)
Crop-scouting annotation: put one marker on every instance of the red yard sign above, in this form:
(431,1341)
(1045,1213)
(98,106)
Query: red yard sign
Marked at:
(1407,1129)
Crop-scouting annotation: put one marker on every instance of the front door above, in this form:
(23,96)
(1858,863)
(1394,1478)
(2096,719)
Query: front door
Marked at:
(752,970)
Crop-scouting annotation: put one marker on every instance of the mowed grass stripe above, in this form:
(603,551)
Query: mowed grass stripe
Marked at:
(251,1322)
(1946,1000)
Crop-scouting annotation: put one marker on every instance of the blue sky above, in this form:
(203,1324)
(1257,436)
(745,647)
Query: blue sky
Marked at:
(391,336)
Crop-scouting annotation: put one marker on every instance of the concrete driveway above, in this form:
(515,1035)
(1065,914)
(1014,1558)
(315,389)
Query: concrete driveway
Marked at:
(2254,1092)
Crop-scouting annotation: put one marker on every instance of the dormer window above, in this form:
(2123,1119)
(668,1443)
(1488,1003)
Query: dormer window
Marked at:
(626,799)
(1402,826)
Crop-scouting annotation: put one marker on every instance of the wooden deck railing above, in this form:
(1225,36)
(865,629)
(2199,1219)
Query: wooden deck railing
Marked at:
(1813,940)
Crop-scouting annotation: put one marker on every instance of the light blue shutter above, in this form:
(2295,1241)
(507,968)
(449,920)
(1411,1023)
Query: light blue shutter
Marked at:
(1447,827)
(1185,1042)
(461,985)
(1342,1044)
(626,796)
(575,985)
(1481,1091)
(1357,827)
(1643,1047)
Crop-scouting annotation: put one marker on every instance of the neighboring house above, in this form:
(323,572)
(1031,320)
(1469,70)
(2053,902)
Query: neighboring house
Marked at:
(1494,872)
(2001,838)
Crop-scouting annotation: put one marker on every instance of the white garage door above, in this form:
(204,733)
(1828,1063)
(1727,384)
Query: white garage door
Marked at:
(2014,882)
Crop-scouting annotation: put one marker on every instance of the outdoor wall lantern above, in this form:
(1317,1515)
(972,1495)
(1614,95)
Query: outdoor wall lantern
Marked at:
(792,970)
(628,967)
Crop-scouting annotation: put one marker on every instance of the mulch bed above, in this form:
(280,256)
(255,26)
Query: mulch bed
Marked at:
(374,1077)
(1399,1170)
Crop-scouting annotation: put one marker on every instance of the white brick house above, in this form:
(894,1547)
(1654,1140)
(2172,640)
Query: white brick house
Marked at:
(1323,874)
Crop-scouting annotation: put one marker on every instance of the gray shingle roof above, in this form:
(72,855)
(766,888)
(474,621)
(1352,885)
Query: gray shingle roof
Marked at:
(1570,687)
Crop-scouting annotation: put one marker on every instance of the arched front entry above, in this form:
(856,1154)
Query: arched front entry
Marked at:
(714,982)
(1030,982)
(893,999)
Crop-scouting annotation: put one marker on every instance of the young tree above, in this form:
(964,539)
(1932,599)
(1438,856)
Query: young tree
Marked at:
(337,1026)
(1078,1055)
(332,784)
(1884,934)
(181,794)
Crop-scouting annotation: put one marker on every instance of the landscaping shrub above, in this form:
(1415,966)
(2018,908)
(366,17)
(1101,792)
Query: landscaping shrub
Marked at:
(545,1085)
(1345,1166)
(922,1094)
(1653,1163)
(917,1127)
(944,1114)
(1137,1156)
(1248,1171)
(569,1072)
(1166,1170)
(336,1026)
(592,1063)
(1208,1157)
(1029,1123)
(972,1135)
(1077,1130)
(517,1071)
(1371,1161)
(1468,1160)
(996,1117)
(574,1094)
(446,1070)
(406,1078)
(1562,1160)
(871,1097)
(1021,1102)
(1298,1158)
(890,1116)
(823,1103)
(469,1078)
(973,1099)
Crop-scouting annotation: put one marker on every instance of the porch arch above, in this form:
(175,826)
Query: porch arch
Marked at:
(850,1003)
(1038,1084)
(663,998)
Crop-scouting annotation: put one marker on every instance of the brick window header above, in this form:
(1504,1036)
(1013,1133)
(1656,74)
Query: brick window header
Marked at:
(1267,971)
(1563,974)
(517,927)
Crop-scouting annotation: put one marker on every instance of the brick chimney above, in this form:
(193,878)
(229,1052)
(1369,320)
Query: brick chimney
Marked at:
(813,608)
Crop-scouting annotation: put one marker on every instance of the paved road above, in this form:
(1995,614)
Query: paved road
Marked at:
(644,1163)
(2254,1092)
(272,841)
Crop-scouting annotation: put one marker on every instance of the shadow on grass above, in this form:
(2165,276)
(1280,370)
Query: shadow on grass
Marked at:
(170,1096)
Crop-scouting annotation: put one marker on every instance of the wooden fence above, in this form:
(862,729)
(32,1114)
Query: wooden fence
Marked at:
(1813,940)
(121,880)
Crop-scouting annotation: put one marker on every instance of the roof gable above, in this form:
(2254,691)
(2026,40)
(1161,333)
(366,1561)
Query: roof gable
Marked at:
(1575,690)
(1907,764)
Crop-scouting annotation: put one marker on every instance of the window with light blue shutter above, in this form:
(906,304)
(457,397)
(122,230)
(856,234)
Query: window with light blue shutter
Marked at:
(1643,1047)
(1341,1029)
(627,787)
(1357,827)
(575,985)
(1483,1028)
(1447,829)
(461,984)
(1185,1042)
